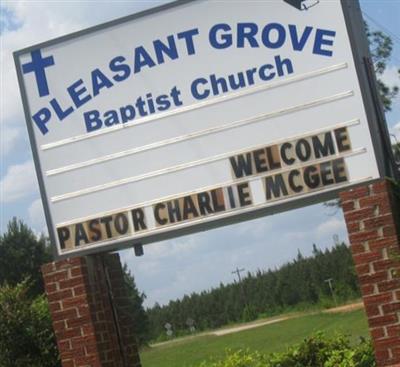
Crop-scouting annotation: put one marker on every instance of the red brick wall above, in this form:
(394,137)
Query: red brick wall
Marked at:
(372,223)
(83,319)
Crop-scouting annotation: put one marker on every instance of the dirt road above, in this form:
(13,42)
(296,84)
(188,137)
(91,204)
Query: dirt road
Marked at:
(247,326)
(263,322)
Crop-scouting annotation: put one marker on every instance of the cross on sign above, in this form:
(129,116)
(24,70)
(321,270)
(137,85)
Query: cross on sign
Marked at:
(38,65)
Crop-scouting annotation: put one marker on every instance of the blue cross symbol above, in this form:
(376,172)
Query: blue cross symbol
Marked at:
(37,65)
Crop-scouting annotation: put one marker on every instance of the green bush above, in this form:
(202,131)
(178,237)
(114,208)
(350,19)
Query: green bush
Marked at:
(240,358)
(316,351)
(26,334)
(249,313)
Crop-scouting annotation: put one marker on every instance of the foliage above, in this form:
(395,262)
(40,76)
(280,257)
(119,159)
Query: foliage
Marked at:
(249,313)
(26,334)
(300,283)
(21,256)
(240,358)
(316,351)
(381,47)
(396,153)
(140,318)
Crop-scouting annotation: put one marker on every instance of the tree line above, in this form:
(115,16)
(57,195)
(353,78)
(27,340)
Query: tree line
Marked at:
(299,283)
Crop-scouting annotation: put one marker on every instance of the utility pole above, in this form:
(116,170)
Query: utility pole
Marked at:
(329,281)
(237,272)
(336,240)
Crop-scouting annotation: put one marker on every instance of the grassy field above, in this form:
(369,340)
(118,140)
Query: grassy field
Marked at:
(265,339)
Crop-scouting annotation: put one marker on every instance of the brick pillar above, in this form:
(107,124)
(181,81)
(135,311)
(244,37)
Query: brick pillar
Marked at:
(89,332)
(373,227)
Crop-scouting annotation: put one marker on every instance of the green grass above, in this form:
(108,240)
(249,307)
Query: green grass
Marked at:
(265,339)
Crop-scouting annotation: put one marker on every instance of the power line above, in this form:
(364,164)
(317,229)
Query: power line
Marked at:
(394,36)
(386,30)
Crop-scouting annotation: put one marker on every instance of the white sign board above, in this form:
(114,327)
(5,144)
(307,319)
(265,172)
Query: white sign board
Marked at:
(194,115)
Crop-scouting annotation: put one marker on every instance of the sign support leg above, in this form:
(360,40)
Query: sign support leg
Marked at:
(114,309)
(91,313)
(372,221)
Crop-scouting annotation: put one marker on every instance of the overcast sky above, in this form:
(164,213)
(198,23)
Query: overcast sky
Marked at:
(168,269)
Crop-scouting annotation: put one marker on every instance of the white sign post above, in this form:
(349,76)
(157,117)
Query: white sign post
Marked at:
(195,115)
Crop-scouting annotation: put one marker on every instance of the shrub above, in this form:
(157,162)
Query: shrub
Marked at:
(316,351)
(249,313)
(240,358)
(26,334)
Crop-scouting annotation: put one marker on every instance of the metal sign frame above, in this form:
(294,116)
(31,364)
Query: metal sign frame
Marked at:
(377,126)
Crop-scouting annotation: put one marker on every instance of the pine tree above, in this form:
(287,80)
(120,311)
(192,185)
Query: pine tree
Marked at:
(22,254)
(140,317)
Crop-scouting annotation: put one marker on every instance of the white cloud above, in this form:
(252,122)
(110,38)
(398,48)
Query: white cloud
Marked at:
(8,140)
(391,76)
(19,182)
(330,227)
(36,216)
(160,253)
(326,229)
(395,133)
(255,228)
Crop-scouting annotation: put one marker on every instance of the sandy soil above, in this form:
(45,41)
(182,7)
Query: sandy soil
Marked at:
(345,308)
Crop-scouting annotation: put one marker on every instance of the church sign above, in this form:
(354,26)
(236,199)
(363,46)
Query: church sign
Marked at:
(197,114)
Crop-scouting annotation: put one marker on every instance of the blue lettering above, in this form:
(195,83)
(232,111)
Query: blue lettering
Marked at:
(188,37)
(163,102)
(263,72)
(247,31)
(127,113)
(142,58)
(322,40)
(61,114)
(41,118)
(196,94)
(117,65)
(76,94)
(225,39)
(161,48)
(281,63)
(298,44)
(99,81)
(218,85)
(111,118)
(175,93)
(92,120)
(266,35)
